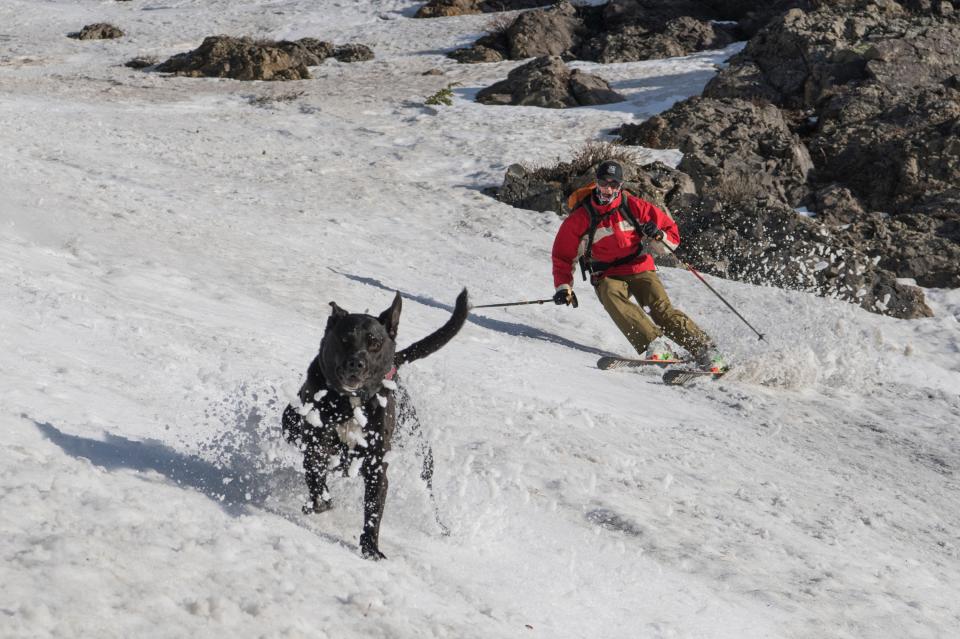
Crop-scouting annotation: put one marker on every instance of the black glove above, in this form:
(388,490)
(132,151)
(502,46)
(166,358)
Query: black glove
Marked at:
(651,230)
(565,296)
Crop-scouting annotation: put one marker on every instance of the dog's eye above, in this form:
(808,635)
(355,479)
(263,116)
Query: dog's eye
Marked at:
(374,344)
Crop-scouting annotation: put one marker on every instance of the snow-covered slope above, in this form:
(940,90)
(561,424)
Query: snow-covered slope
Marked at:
(169,248)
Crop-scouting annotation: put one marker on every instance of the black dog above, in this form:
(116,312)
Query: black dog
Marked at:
(348,410)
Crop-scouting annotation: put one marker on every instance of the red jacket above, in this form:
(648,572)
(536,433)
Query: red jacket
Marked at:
(615,237)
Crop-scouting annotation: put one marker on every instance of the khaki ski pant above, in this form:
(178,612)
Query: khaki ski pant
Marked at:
(614,293)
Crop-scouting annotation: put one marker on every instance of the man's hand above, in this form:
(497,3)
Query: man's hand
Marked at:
(651,230)
(565,296)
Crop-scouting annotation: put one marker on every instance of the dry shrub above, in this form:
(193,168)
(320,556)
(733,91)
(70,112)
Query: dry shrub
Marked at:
(499,24)
(585,158)
(260,42)
(737,189)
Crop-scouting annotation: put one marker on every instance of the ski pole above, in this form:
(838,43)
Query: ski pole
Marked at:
(712,290)
(512,303)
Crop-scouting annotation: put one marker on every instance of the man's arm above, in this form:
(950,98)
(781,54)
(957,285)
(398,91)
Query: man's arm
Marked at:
(647,212)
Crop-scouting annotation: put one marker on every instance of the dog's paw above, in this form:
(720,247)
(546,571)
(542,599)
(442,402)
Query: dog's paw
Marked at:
(369,549)
(373,554)
(316,506)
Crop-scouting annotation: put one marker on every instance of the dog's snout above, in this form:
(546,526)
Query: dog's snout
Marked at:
(356,365)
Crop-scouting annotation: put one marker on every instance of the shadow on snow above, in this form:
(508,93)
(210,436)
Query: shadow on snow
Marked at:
(235,489)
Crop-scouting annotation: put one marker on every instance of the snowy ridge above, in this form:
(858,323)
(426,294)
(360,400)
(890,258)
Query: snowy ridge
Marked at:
(168,253)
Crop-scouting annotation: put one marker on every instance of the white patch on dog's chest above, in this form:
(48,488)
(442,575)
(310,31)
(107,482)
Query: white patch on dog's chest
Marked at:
(350,432)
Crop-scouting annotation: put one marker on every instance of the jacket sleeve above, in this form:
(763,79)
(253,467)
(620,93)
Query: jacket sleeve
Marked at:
(646,212)
(566,247)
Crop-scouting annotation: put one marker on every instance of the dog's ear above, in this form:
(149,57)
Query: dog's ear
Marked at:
(390,318)
(335,315)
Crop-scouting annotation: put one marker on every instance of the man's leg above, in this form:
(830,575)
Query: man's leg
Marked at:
(648,290)
(629,318)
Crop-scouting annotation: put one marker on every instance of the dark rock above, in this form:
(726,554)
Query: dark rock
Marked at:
(920,59)
(353,53)
(871,89)
(836,204)
(98,31)
(547,32)
(237,58)
(772,245)
(547,82)
(630,44)
(141,62)
(753,16)
(477,54)
(308,51)
(522,190)
(696,35)
(743,80)
(590,90)
(492,47)
(619,31)
(733,149)
(901,154)
(248,59)
(446,8)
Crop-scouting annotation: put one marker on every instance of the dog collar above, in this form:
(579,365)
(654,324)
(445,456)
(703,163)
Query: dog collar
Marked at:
(389,376)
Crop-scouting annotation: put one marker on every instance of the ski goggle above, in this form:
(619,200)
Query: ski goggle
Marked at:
(610,184)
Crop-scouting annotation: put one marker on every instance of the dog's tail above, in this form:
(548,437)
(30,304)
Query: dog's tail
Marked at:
(433,342)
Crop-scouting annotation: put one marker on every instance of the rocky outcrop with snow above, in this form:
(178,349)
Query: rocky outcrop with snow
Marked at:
(249,59)
(548,82)
(865,97)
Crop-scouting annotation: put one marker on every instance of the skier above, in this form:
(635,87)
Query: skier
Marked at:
(605,231)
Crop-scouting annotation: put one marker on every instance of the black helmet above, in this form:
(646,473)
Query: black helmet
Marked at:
(610,170)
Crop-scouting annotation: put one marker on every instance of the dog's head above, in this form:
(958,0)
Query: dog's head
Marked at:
(357,350)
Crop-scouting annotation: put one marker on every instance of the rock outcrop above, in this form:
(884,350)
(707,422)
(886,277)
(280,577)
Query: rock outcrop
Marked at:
(98,31)
(852,110)
(248,59)
(619,31)
(446,8)
(548,82)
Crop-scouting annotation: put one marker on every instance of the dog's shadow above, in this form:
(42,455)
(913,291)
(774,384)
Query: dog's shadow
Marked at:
(235,490)
(515,329)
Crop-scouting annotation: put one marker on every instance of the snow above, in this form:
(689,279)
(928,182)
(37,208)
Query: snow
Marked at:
(168,252)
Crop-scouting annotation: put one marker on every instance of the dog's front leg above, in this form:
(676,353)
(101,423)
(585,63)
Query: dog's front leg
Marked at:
(316,460)
(374,499)
(374,469)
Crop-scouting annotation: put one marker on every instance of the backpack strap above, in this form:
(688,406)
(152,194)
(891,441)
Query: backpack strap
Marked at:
(594,223)
(585,260)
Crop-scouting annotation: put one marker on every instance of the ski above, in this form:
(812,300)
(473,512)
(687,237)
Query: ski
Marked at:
(680,376)
(608,363)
